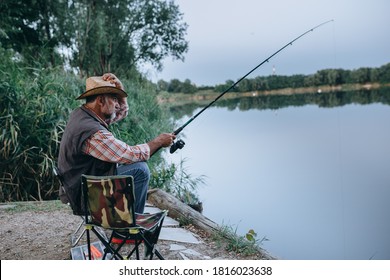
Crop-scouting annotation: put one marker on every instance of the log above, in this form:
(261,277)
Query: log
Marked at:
(181,211)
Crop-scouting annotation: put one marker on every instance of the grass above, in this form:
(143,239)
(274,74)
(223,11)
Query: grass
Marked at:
(247,245)
(35,206)
(35,104)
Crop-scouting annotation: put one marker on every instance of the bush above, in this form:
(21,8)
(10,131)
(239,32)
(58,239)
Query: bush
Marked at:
(34,107)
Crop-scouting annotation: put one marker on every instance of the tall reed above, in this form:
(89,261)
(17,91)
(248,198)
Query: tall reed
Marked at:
(35,104)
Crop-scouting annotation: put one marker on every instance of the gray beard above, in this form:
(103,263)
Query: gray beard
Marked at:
(109,118)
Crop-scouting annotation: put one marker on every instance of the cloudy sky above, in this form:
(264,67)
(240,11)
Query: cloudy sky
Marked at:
(229,38)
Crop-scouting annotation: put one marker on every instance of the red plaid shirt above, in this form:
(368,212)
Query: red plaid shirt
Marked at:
(104,146)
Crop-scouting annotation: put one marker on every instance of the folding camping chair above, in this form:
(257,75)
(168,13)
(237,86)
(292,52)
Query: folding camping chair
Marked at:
(80,231)
(110,203)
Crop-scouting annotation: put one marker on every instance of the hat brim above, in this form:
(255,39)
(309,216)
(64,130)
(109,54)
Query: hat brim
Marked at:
(102,90)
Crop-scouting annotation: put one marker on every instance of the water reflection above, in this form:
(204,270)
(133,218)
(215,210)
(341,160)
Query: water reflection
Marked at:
(313,176)
(274,102)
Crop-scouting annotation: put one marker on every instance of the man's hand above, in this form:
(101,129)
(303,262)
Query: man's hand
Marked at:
(123,106)
(161,141)
(123,110)
(113,80)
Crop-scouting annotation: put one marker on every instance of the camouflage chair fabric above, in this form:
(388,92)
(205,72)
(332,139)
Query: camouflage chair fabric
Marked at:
(110,201)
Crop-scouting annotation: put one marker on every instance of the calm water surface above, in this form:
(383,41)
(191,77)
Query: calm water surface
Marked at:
(314,181)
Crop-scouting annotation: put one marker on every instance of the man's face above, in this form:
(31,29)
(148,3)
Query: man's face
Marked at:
(110,106)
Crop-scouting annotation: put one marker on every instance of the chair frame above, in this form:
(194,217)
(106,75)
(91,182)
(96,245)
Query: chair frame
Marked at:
(132,231)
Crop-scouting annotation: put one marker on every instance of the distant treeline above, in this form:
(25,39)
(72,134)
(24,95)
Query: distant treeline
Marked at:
(326,77)
(276,102)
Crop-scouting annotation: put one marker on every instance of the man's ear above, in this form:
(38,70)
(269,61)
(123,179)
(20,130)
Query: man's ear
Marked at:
(101,100)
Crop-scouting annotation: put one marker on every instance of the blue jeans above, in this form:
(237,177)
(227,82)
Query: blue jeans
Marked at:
(141,174)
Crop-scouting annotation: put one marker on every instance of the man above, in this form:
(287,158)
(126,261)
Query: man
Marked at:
(88,147)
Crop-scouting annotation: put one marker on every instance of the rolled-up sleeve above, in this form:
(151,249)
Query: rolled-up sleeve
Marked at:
(104,146)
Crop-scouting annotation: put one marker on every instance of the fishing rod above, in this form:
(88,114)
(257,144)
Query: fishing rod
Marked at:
(179,144)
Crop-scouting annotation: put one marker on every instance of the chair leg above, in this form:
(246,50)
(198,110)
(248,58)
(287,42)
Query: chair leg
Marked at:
(89,244)
(76,236)
(108,248)
(150,245)
(157,253)
(136,250)
(151,239)
(129,236)
(137,243)
(102,233)
(80,231)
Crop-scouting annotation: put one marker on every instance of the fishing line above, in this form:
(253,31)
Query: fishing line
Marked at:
(340,158)
(341,180)
(179,144)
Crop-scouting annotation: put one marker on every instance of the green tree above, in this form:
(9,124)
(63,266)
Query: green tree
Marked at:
(125,34)
(296,81)
(225,86)
(34,29)
(361,75)
(188,86)
(175,86)
(162,85)
(94,36)
(321,78)
(384,73)
(245,85)
(334,77)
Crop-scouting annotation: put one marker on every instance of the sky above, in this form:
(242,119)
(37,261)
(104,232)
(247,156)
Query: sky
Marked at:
(228,38)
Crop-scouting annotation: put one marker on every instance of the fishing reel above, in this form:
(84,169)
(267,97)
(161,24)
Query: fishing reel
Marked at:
(179,144)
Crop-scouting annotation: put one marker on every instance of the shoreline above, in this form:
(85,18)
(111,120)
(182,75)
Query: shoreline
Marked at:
(208,95)
(54,244)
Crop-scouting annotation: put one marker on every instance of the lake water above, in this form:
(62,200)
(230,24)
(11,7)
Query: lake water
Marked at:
(311,174)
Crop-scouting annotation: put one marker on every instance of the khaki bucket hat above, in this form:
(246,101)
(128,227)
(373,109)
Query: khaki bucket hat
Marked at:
(96,86)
